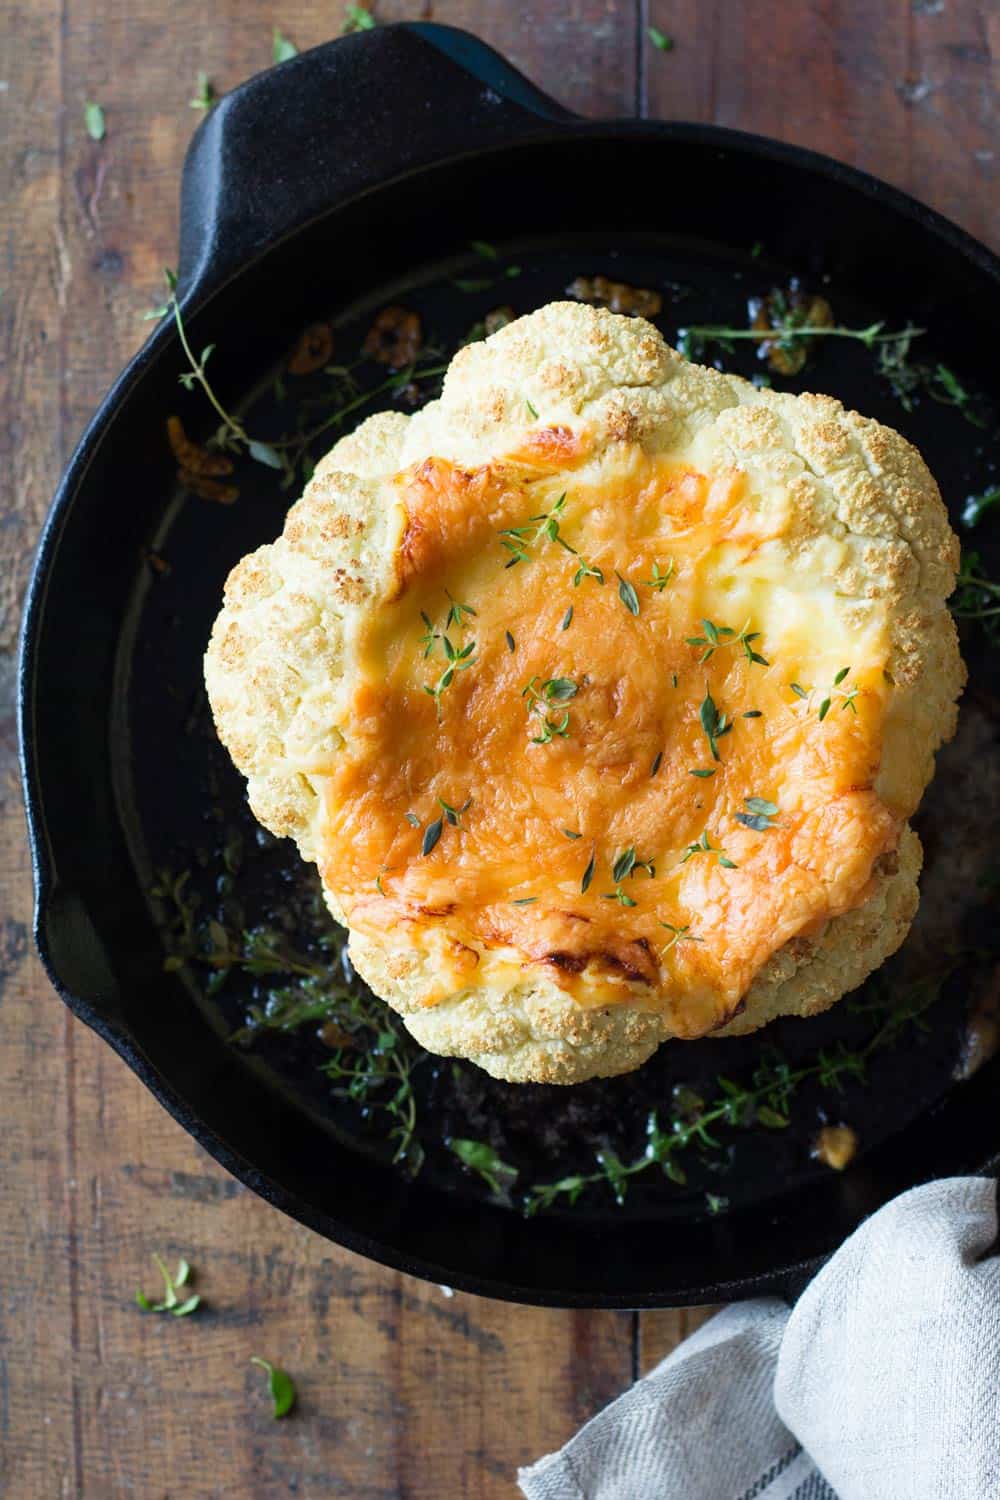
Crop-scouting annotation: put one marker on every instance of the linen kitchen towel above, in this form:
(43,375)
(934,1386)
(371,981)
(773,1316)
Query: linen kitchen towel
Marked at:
(882,1383)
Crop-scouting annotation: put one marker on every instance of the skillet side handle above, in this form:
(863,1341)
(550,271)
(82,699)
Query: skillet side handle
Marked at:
(310,133)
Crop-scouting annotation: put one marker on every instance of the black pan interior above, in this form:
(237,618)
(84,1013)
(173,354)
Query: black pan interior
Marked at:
(118,668)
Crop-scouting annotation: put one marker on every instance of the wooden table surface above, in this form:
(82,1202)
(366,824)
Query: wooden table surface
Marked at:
(403,1391)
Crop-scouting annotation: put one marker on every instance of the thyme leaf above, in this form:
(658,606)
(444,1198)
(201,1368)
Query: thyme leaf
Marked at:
(357,18)
(627,594)
(481,1158)
(279,1384)
(281,48)
(93,118)
(171,1302)
(659,581)
(714,724)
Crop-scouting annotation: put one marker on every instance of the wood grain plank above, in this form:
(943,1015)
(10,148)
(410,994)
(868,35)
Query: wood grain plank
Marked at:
(909,93)
(37,1438)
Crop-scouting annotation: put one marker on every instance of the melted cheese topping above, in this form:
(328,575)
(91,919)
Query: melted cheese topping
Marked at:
(502,891)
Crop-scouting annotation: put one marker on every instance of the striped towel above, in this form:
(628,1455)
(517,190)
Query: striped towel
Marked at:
(883,1382)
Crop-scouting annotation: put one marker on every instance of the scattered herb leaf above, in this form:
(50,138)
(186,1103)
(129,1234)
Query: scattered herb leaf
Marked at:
(171,1303)
(93,118)
(206,96)
(279,1384)
(281,48)
(481,1158)
(357,18)
(627,594)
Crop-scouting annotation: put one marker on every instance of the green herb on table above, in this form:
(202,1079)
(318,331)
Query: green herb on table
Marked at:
(93,118)
(659,39)
(478,1157)
(171,1303)
(206,97)
(281,48)
(357,18)
(279,1384)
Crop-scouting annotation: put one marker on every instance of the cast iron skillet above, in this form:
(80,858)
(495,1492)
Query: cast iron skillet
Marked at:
(324,185)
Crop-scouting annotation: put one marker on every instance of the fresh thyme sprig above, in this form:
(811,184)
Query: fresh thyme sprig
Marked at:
(539,696)
(499,1175)
(718,637)
(283,453)
(628,863)
(678,935)
(691,340)
(519,540)
(373,1056)
(767,1100)
(704,845)
(659,581)
(459,660)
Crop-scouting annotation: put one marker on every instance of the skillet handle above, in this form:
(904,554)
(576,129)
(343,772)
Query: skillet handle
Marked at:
(324,126)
